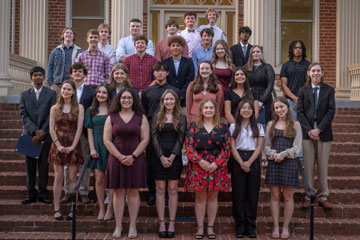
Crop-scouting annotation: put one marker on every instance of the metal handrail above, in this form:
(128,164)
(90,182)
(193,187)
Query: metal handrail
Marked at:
(73,196)
(312,194)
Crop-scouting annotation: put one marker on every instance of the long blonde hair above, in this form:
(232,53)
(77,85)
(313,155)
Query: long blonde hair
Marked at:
(250,63)
(198,83)
(74,112)
(227,56)
(126,83)
(161,116)
(200,117)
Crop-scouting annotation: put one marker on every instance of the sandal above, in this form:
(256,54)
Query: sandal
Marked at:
(162,234)
(59,218)
(171,234)
(275,234)
(198,235)
(70,216)
(285,233)
(211,235)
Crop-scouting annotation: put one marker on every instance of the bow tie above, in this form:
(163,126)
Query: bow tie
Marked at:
(191,31)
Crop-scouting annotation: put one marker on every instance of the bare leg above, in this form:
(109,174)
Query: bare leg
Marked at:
(274,207)
(288,211)
(73,170)
(200,210)
(160,203)
(110,208)
(119,204)
(133,205)
(58,181)
(100,191)
(212,207)
(173,201)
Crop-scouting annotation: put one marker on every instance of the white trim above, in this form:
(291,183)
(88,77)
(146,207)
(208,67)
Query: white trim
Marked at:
(107,11)
(68,21)
(316,37)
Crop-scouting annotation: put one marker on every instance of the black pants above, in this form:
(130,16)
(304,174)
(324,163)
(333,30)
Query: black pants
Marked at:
(43,166)
(245,192)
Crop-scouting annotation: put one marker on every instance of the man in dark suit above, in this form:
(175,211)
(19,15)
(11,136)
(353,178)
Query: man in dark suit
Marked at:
(315,111)
(241,51)
(181,69)
(35,105)
(85,96)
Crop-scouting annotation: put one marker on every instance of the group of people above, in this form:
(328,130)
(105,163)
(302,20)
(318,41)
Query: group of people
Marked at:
(136,115)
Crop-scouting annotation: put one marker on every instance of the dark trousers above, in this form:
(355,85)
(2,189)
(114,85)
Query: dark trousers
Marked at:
(43,166)
(150,178)
(245,192)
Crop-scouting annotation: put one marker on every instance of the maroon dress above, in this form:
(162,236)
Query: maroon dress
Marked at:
(224,77)
(126,138)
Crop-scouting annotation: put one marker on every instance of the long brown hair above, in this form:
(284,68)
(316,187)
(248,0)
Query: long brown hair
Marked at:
(161,116)
(239,120)
(227,56)
(200,117)
(74,111)
(198,84)
(95,104)
(308,79)
(289,130)
(126,83)
(233,83)
(250,63)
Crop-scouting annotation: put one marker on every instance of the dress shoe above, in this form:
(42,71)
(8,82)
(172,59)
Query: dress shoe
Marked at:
(151,200)
(326,205)
(66,198)
(252,235)
(240,235)
(28,200)
(85,199)
(306,204)
(44,200)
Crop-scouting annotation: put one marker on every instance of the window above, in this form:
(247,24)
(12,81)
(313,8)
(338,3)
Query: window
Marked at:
(296,22)
(87,14)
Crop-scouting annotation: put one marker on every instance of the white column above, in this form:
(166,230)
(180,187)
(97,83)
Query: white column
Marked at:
(33,30)
(4,47)
(121,13)
(259,15)
(347,44)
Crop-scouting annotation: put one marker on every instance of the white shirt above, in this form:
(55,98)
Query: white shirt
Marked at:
(218,33)
(318,91)
(126,46)
(193,39)
(245,141)
(109,51)
(79,92)
(38,91)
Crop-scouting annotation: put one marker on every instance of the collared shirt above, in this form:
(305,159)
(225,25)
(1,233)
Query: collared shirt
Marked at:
(318,90)
(162,50)
(193,39)
(295,72)
(109,51)
(242,47)
(218,33)
(201,54)
(140,70)
(79,92)
(245,141)
(177,65)
(97,65)
(38,91)
(68,51)
(126,46)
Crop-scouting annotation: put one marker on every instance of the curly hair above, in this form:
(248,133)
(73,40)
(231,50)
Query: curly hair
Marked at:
(161,116)
(292,47)
(198,83)
(74,112)
(200,117)
(227,56)
(94,109)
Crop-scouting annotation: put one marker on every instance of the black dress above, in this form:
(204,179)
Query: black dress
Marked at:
(165,142)
(235,99)
(261,80)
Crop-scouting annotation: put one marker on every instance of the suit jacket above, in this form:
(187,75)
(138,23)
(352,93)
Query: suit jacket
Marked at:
(87,97)
(34,113)
(186,74)
(237,55)
(324,115)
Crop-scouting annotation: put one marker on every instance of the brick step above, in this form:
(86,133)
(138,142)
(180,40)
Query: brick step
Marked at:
(346,128)
(184,209)
(223,225)
(338,196)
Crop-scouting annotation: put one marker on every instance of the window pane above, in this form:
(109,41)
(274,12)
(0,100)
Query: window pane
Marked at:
(82,8)
(296,9)
(82,26)
(295,31)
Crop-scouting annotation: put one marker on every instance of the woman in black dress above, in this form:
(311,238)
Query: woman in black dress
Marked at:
(167,133)
(261,78)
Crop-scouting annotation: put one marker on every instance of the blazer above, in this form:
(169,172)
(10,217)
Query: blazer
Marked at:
(237,55)
(186,74)
(324,115)
(34,113)
(87,97)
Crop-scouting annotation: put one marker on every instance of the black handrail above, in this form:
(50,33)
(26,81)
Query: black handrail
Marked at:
(312,194)
(73,196)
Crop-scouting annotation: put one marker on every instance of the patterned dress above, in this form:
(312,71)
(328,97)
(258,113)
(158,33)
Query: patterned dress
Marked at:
(212,147)
(65,132)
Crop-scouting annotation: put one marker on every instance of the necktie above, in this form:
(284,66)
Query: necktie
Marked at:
(244,50)
(315,94)
(37,95)
(191,31)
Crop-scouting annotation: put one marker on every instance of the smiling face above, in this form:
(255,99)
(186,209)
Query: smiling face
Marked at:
(239,77)
(205,70)
(169,101)
(206,39)
(208,110)
(104,34)
(190,21)
(171,29)
(211,17)
(160,75)
(135,28)
(77,75)
(37,78)
(119,76)
(67,91)
(126,100)
(176,49)
(244,36)
(257,54)
(68,36)
(220,51)
(315,74)
(140,46)
(102,95)
(280,109)
(92,40)
(246,111)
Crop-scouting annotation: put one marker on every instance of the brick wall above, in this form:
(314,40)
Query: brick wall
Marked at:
(327,41)
(57,22)
(145,18)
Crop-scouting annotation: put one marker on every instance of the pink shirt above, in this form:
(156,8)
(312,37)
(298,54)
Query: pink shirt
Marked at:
(162,50)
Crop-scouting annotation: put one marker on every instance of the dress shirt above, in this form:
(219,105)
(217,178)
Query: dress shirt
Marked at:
(162,50)
(177,65)
(140,70)
(79,92)
(318,90)
(97,65)
(109,51)
(38,92)
(193,39)
(126,46)
(242,47)
(245,141)
(218,33)
(201,54)
(68,52)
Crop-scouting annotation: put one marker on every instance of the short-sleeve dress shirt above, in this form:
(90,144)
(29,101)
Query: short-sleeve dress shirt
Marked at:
(245,141)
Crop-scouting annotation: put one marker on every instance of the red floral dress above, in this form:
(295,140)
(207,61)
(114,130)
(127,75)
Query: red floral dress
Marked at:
(212,147)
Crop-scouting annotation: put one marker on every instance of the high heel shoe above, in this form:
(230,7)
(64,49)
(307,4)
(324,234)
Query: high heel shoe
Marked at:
(59,218)
(171,234)
(132,233)
(211,235)
(117,233)
(162,234)
(199,235)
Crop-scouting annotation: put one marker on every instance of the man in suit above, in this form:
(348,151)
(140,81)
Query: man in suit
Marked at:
(241,51)
(35,105)
(315,111)
(181,69)
(85,96)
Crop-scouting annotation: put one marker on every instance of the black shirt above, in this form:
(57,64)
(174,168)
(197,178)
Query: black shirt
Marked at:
(235,99)
(295,72)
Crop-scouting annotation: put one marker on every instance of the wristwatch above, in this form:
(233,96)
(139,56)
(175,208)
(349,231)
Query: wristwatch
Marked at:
(133,155)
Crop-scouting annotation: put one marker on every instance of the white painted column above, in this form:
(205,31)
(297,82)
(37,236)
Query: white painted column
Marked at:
(34,30)
(347,44)
(122,11)
(4,47)
(259,15)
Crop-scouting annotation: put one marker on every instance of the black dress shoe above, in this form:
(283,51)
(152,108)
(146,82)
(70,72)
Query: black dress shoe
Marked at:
(240,235)
(252,235)
(162,234)
(28,200)
(151,200)
(44,200)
